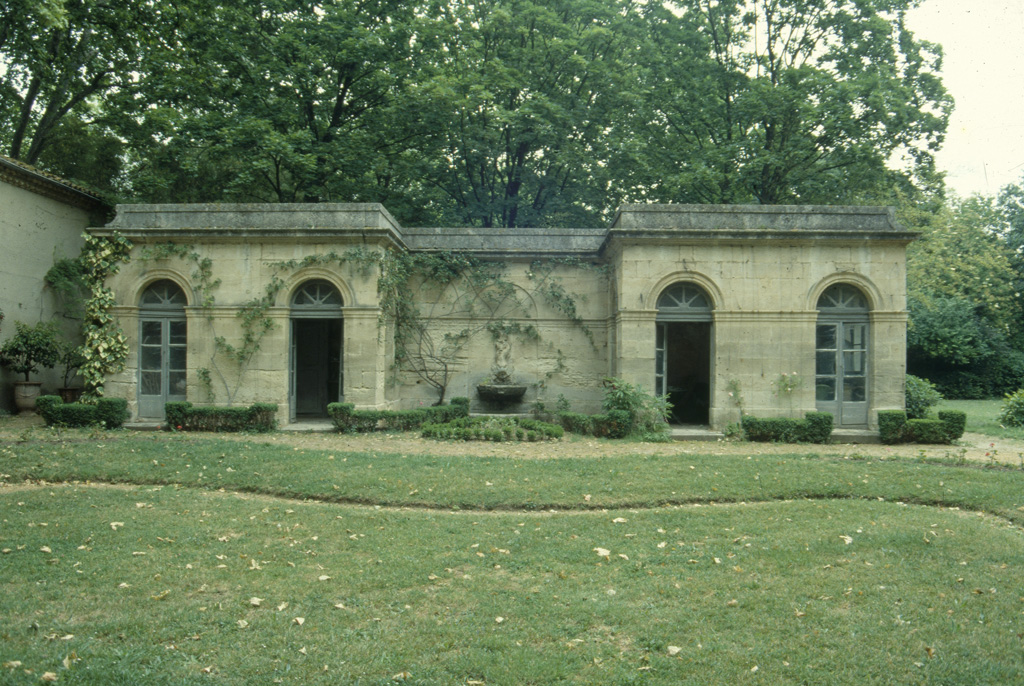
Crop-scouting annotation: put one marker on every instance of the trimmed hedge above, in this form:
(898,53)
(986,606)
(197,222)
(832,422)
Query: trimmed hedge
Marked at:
(926,431)
(894,427)
(815,427)
(955,421)
(614,424)
(347,419)
(111,413)
(498,429)
(184,416)
(890,426)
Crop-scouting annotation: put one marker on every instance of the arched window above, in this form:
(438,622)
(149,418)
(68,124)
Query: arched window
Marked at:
(841,355)
(317,354)
(683,351)
(163,348)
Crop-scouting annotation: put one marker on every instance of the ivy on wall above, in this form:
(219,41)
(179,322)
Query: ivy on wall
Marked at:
(467,290)
(105,348)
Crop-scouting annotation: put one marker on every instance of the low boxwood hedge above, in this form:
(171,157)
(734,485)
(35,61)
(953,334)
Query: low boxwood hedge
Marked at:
(184,416)
(894,427)
(111,413)
(815,427)
(347,419)
(498,429)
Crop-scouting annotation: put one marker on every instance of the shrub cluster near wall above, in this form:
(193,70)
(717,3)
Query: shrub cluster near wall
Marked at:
(110,413)
(894,427)
(815,427)
(350,420)
(183,416)
(613,424)
(496,429)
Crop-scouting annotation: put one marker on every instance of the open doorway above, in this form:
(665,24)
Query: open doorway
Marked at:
(317,350)
(683,352)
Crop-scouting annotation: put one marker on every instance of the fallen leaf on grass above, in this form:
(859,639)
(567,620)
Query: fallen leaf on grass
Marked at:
(13,664)
(48,676)
(674,650)
(116,525)
(603,552)
(255,602)
(242,623)
(323,577)
(162,595)
(282,607)
(401,676)
(299,620)
(847,539)
(619,520)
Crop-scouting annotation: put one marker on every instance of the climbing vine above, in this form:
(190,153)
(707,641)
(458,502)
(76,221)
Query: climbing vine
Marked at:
(106,348)
(467,290)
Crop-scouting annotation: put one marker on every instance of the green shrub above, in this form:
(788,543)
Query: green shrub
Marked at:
(347,419)
(771,429)
(184,416)
(955,422)
(112,413)
(45,405)
(926,431)
(921,394)
(890,426)
(496,429)
(576,423)
(815,427)
(1011,413)
(645,413)
(818,427)
(613,424)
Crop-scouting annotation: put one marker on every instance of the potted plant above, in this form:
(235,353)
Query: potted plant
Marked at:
(70,357)
(25,352)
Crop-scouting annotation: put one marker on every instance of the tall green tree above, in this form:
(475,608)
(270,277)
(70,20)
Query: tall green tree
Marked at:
(966,312)
(800,101)
(279,100)
(529,100)
(60,60)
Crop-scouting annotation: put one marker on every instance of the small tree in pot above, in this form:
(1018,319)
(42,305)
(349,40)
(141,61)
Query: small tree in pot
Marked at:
(28,350)
(70,357)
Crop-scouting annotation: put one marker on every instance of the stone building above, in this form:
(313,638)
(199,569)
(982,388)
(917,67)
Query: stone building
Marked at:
(42,218)
(767,310)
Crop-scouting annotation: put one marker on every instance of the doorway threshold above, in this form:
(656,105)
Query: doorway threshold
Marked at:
(317,425)
(693,432)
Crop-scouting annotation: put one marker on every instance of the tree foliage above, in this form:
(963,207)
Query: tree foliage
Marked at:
(789,101)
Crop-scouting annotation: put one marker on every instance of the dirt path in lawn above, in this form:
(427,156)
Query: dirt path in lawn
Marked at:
(972,447)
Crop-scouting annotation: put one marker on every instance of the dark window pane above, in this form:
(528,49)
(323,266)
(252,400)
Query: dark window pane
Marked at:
(150,383)
(826,362)
(854,389)
(176,357)
(825,389)
(151,333)
(826,338)
(179,332)
(177,382)
(854,364)
(150,357)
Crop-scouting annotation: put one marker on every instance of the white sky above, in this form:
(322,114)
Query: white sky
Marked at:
(983,70)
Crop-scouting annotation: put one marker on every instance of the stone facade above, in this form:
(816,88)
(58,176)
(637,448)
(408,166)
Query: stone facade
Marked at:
(42,219)
(716,306)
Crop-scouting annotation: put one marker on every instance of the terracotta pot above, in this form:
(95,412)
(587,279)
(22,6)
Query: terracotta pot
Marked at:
(69,395)
(25,394)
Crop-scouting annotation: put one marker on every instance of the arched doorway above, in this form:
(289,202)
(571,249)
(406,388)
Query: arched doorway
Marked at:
(316,369)
(841,351)
(163,348)
(683,352)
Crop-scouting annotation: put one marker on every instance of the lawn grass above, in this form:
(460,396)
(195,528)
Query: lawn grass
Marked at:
(983,417)
(823,592)
(676,569)
(489,483)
